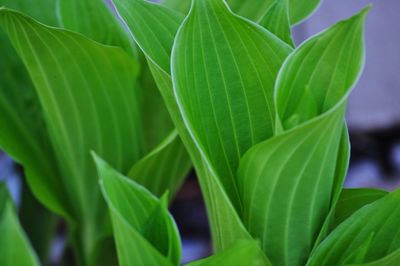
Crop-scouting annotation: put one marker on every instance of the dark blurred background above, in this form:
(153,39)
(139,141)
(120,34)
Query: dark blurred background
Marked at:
(373,119)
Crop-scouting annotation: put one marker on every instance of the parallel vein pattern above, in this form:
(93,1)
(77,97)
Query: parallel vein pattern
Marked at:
(88,95)
(290,184)
(224,70)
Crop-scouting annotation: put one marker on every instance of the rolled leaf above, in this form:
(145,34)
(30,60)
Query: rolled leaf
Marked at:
(145,232)
(226,226)
(289,183)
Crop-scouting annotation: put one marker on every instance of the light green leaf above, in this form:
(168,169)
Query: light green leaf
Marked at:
(226,226)
(224,69)
(144,230)
(351,200)
(379,219)
(242,253)
(286,185)
(14,245)
(94,19)
(181,6)
(320,72)
(156,42)
(164,168)
(289,183)
(89,102)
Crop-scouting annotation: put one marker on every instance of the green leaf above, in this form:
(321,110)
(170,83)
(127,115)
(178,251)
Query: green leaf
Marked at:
(277,21)
(14,245)
(289,183)
(23,134)
(390,260)
(226,226)
(286,185)
(353,199)
(89,102)
(157,123)
(181,6)
(320,72)
(242,253)
(42,10)
(379,219)
(301,9)
(144,230)
(164,168)
(254,10)
(224,69)
(156,42)
(94,19)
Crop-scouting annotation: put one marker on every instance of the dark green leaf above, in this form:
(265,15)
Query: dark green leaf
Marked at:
(242,253)
(164,168)
(144,230)
(351,200)
(14,245)
(378,221)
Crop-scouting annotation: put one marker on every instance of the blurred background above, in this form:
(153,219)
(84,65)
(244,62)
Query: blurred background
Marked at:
(373,119)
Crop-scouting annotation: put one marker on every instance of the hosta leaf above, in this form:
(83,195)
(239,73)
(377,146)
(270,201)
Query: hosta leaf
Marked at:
(254,10)
(88,98)
(181,6)
(42,10)
(164,168)
(141,17)
(224,69)
(157,123)
(390,260)
(14,245)
(289,182)
(23,132)
(301,9)
(226,226)
(378,221)
(320,72)
(276,20)
(286,186)
(242,253)
(94,19)
(351,200)
(144,230)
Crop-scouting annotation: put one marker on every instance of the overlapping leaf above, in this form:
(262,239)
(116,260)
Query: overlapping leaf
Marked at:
(163,168)
(89,101)
(14,245)
(95,20)
(370,234)
(144,230)
(224,69)
(242,253)
(351,200)
(289,183)
(226,226)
